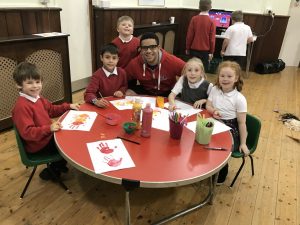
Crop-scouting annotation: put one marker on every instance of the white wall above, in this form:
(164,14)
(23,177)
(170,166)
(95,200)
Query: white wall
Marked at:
(75,21)
(290,51)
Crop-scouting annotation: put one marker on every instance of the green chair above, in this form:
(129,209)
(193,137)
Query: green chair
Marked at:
(253,128)
(36,159)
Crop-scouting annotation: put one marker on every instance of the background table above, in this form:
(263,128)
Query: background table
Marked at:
(160,161)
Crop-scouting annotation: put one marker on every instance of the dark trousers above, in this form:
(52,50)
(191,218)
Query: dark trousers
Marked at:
(203,55)
(236,143)
(238,59)
(51,147)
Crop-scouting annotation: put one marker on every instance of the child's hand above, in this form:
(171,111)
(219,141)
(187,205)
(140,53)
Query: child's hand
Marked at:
(217,114)
(118,94)
(75,106)
(243,148)
(102,103)
(172,107)
(55,126)
(198,104)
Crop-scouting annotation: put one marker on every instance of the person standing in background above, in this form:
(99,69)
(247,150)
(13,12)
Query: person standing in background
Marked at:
(237,36)
(200,38)
(126,42)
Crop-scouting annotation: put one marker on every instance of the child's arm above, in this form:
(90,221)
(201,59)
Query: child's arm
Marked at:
(171,99)
(118,94)
(198,104)
(55,126)
(75,106)
(224,46)
(241,118)
(102,102)
(215,112)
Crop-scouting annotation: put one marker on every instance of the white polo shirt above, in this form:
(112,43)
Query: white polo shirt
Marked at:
(228,104)
(238,34)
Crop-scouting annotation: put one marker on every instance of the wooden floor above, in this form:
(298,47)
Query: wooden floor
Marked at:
(271,197)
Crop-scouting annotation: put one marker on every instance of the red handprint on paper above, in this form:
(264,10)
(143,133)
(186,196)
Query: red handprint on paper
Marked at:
(103,147)
(79,120)
(112,162)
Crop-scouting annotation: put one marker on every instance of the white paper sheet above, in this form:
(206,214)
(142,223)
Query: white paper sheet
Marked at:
(161,119)
(127,102)
(78,120)
(50,34)
(109,155)
(184,109)
(218,127)
(145,100)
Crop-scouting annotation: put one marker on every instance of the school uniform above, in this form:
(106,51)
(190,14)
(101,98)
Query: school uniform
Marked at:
(200,38)
(238,35)
(127,50)
(32,117)
(192,92)
(228,104)
(106,83)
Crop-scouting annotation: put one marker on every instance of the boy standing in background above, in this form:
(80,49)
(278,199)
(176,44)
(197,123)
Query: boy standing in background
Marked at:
(237,36)
(126,42)
(200,38)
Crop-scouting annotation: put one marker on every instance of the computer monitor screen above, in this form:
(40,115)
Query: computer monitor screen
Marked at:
(221,18)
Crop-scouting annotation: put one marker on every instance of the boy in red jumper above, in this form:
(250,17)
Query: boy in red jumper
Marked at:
(109,80)
(32,115)
(155,69)
(200,38)
(126,42)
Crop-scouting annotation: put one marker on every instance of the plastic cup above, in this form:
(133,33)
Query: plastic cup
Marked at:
(160,101)
(175,129)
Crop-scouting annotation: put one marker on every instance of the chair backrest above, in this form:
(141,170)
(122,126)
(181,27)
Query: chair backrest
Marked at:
(23,154)
(253,128)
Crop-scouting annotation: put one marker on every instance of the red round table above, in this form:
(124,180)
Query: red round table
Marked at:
(160,161)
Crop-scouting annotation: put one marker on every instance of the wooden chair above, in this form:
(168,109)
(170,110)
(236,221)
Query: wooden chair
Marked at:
(35,159)
(253,128)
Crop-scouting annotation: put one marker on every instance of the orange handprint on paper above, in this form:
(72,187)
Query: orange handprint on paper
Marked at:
(79,120)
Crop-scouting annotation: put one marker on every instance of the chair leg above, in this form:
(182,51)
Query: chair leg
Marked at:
(28,182)
(238,172)
(57,178)
(252,165)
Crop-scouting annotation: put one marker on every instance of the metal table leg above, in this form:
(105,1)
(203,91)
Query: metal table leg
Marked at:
(208,200)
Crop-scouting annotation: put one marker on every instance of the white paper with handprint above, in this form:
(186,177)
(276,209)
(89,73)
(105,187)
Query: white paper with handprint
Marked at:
(109,155)
(160,119)
(78,120)
(183,108)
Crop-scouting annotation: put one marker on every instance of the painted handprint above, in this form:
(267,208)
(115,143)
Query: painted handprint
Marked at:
(103,147)
(112,162)
(124,103)
(79,120)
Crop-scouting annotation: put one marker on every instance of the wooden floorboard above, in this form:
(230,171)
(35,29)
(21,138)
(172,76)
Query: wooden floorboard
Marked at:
(271,197)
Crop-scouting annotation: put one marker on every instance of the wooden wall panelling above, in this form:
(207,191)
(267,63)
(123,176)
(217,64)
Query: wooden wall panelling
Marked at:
(29,23)
(266,48)
(14,24)
(24,21)
(47,21)
(268,45)
(3,30)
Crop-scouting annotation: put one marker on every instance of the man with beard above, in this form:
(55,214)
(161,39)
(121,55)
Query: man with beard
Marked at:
(154,68)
